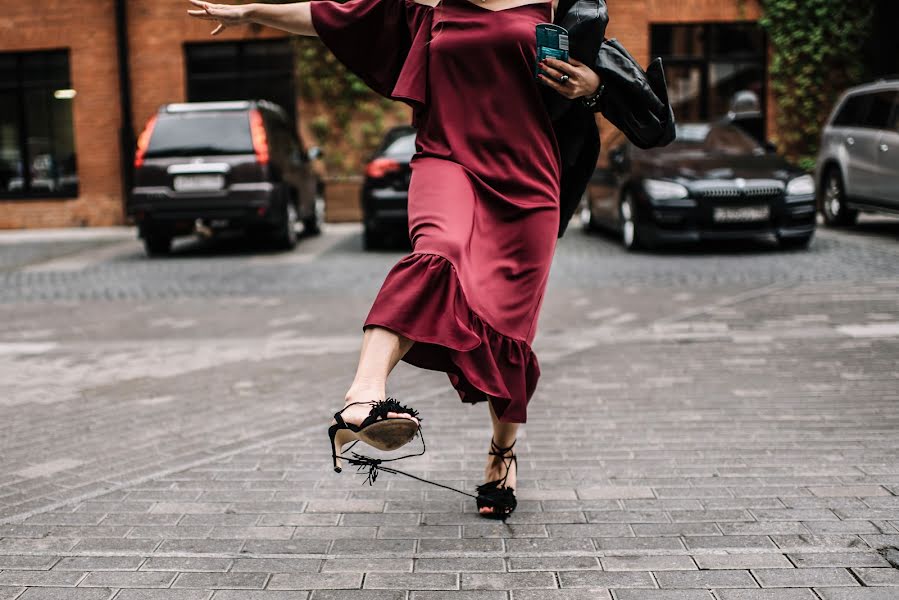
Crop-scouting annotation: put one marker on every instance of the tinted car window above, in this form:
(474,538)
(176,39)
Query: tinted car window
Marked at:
(201,133)
(853,111)
(878,116)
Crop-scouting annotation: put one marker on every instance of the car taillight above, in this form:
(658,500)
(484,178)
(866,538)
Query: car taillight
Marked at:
(143,141)
(381,166)
(260,140)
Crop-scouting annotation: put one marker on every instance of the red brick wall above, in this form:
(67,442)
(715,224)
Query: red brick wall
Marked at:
(88,30)
(158,30)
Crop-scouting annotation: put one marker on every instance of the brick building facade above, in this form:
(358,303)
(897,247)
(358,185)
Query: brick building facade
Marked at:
(77,48)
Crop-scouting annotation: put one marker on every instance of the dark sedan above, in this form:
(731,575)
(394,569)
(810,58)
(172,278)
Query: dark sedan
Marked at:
(385,191)
(713,182)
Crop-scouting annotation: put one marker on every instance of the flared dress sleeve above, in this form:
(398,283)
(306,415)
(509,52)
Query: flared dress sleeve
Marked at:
(383,42)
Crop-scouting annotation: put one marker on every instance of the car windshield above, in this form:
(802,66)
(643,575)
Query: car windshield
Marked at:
(201,133)
(713,138)
(404,146)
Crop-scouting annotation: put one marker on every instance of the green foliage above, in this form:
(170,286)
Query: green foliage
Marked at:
(353,119)
(817,47)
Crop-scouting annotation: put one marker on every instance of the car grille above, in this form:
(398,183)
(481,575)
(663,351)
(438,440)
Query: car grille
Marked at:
(755,191)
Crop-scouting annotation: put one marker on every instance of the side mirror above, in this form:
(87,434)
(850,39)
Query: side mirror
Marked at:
(315,152)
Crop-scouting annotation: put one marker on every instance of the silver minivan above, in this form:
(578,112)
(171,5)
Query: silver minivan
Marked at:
(858,165)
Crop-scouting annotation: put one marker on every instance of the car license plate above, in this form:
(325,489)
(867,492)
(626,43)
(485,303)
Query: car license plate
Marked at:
(199,183)
(743,214)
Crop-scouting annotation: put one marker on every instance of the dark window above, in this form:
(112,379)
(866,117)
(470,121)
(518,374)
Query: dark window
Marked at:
(853,111)
(37,142)
(251,70)
(881,109)
(201,133)
(707,64)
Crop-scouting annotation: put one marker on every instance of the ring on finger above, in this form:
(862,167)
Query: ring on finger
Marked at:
(564,79)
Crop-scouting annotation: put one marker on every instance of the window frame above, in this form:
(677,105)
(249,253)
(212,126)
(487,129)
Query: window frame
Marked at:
(707,59)
(19,89)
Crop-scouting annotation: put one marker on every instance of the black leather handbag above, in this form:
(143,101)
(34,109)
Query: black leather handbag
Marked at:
(634,100)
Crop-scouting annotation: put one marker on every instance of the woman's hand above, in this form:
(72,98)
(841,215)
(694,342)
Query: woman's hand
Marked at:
(227,16)
(582,80)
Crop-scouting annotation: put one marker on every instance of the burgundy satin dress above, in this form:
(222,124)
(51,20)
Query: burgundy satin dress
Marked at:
(484,194)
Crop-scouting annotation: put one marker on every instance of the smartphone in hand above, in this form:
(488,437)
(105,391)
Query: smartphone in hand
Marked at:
(552,42)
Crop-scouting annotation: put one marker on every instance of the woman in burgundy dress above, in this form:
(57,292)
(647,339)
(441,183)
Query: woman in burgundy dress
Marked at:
(483,203)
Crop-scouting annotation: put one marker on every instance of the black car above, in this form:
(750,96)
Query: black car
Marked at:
(713,182)
(209,166)
(385,190)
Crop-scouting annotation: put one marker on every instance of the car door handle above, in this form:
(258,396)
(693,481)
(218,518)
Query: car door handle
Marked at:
(884,148)
(850,141)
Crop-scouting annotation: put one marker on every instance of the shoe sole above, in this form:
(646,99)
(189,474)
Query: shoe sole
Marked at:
(389,434)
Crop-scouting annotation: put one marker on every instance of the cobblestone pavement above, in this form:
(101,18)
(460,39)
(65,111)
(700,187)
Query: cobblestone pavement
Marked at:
(714,424)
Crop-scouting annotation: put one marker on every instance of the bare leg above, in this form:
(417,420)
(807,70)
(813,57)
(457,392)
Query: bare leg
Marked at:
(382,349)
(504,435)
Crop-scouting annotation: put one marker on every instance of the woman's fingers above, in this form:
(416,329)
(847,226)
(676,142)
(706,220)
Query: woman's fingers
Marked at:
(560,65)
(203,12)
(554,73)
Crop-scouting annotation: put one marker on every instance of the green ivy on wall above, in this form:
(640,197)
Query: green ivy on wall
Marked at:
(817,48)
(349,119)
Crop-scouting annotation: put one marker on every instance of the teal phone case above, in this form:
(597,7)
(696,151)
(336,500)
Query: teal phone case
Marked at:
(552,41)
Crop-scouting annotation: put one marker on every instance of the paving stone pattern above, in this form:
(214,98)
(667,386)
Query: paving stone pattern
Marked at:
(707,426)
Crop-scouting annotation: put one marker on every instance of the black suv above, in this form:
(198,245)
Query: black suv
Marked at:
(209,166)
(385,190)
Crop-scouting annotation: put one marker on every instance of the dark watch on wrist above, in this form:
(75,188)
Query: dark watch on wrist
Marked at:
(591,101)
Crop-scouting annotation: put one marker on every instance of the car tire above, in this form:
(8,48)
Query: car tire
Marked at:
(588,221)
(286,231)
(833,201)
(157,244)
(371,239)
(313,225)
(631,234)
(795,243)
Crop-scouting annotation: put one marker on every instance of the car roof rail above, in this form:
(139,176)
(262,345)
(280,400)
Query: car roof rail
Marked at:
(182,107)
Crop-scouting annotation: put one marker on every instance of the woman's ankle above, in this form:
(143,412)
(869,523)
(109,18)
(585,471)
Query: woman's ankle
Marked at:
(364,394)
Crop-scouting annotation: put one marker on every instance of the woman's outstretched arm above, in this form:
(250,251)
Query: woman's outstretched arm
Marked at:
(295,18)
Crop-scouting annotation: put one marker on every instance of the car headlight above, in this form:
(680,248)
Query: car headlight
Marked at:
(801,186)
(665,190)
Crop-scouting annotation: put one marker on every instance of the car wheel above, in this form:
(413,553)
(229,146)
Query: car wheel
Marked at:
(371,238)
(157,244)
(630,228)
(833,201)
(588,221)
(313,225)
(795,243)
(286,233)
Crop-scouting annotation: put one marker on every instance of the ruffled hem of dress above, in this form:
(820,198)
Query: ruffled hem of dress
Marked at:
(422,299)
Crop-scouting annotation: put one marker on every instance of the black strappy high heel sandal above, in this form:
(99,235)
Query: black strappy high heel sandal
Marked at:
(377,430)
(495,494)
